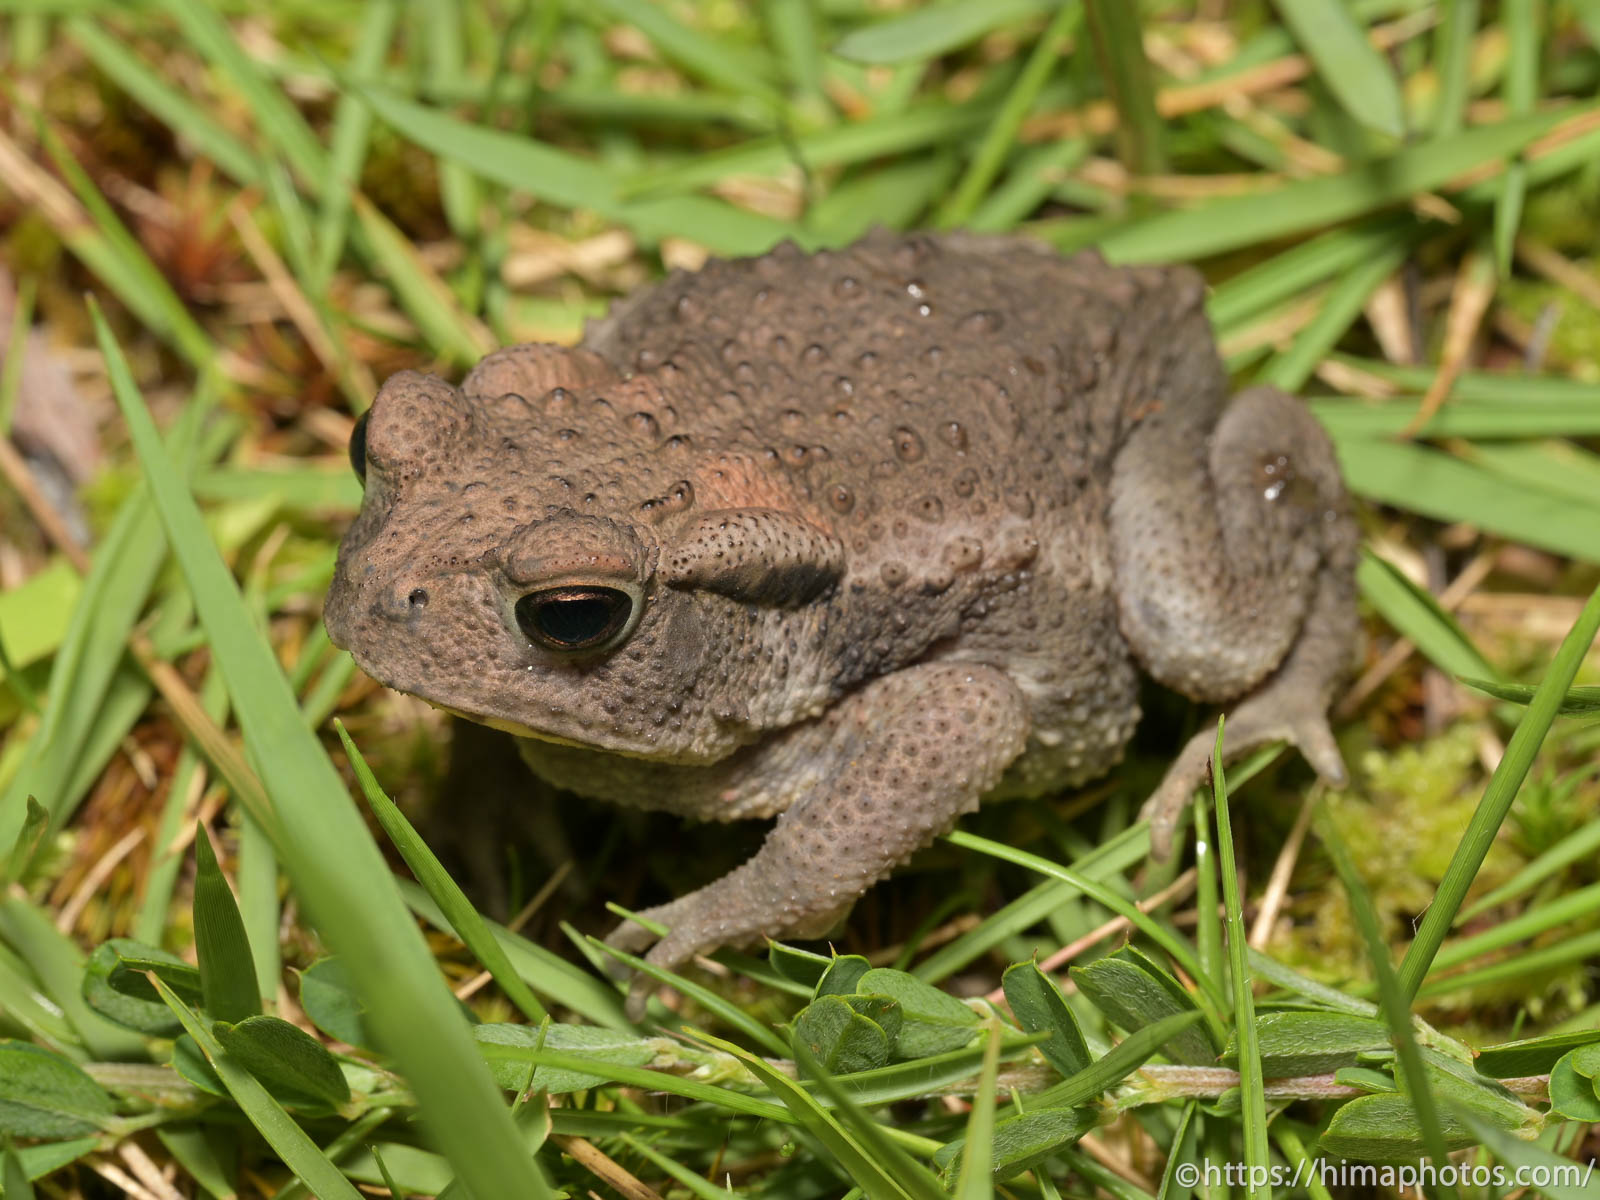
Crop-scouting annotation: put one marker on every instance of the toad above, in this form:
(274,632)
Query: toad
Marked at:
(857,540)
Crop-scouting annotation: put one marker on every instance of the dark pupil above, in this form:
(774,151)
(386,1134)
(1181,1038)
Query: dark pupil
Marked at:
(358,446)
(573,618)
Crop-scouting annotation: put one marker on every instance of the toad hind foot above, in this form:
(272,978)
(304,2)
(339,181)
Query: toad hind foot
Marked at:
(1290,707)
(908,754)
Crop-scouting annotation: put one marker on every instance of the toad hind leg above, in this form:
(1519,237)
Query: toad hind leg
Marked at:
(906,755)
(1235,558)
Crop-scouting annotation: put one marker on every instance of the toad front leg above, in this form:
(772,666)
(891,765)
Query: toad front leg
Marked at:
(888,769)
(1235,553)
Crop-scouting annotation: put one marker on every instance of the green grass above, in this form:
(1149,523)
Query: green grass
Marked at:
(272,205)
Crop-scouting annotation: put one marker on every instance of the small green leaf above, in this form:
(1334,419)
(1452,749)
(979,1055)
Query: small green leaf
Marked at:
(42,1095)
(1132,996)
(190,1062)
(1571,1095)
(1531,1056)
(1040,1008)
(46,1158)
(1366,1078)
(1312,1043)
(842,974)
(933,1022)
(841,1039)
(1460,1087)
(601,1045)
(1384,1129)
(227,972)
(295,1066)
(115,985)
(1586,1061)
(1024,1140)
(332,1004)
(795,965)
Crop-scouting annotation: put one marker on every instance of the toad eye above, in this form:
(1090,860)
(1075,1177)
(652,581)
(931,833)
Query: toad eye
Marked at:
(358,446)
(573,618)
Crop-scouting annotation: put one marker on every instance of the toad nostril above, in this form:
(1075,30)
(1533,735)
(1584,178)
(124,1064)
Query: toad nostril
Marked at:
(418,598)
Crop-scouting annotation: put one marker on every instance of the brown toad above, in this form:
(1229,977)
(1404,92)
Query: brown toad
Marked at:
(856,539)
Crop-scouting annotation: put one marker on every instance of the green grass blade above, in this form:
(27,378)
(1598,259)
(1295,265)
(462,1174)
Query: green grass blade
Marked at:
(1105,860)
(1551,1169)
(1453,61)
(976,1180)
(1329,34)
(121,263)
(352,130)
(893,196)
(1291,273)
(794,28)
(227,970)
(917,1179)
(1425,481)
(1252,1091)
(257,878)
(1119,49)
(328,855)
(1297,207)
(567,984)
(1565,954)
(918,127)
(934,30)
(14,1177)
(278,119)
(1417,615)
(59,965)
(1208,920)
(1557,911)
(1523,21)
(425,298)
(1497,799)
(1396,1004)
(299,1153)
(1581,845)
(712,59)
(645,1079)
(859,1166)
(1126,1057)
(452,901)
(172,108)
(728,1013)
(1001,135)
(86,665)
(568,180)
(1182,953)
(1337,312)
(1028,185)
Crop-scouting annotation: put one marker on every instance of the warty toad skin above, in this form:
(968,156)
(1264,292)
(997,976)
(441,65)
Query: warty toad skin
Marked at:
(857,540)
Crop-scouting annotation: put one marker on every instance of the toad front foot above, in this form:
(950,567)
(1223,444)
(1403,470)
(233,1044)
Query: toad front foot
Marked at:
(907,755)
